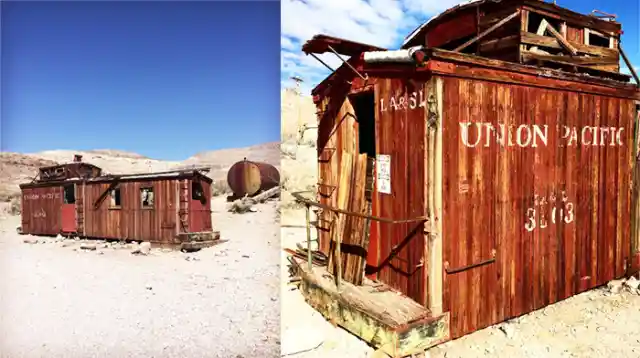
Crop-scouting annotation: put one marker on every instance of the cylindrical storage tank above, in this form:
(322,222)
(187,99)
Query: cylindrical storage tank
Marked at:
(249,178)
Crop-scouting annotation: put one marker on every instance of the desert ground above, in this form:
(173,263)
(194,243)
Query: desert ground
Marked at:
(71,298)
(600,323)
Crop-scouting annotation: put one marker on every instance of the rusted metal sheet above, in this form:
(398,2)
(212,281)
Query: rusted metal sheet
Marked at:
(41,210)
(249,178)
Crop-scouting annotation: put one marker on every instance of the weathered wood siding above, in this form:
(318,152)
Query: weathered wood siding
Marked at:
(41,210)
(401,134)
(551,204)
(337,134)
(131,221)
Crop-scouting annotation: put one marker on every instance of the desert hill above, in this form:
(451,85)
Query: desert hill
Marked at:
(16,168)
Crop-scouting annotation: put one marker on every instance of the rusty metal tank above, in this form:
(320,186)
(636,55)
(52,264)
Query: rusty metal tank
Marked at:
(249,178)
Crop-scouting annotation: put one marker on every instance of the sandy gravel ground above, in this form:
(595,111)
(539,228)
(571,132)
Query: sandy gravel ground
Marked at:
(60,301)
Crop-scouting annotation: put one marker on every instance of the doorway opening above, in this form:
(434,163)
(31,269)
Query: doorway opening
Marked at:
(365,110)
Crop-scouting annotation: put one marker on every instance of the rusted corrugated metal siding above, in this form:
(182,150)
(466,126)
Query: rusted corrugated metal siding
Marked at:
(41,209)
(503,197)
(131,221)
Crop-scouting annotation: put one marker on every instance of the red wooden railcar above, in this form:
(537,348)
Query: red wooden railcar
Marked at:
(522,174)
(168,208)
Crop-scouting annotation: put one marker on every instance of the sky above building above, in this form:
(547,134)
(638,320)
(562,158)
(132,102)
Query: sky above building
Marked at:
(164,79)
(386,23)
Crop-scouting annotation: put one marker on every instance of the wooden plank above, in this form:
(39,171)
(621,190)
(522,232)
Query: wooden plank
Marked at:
(487,31)
(435,190)
(561,40)
(353,231)
(580,61)
(629,65)
(500,44)
(571,17)
(337,230)
(389,321)
(550,42)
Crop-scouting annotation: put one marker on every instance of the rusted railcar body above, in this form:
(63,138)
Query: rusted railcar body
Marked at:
(525,176)
(165,209)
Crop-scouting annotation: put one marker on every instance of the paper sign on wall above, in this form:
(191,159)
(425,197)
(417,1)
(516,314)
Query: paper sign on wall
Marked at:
(383,173)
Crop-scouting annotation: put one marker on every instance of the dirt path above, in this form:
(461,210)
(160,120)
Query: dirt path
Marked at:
(220,302)
(597,323)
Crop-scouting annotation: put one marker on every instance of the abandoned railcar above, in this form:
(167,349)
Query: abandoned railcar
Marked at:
(475,184)
(166,209)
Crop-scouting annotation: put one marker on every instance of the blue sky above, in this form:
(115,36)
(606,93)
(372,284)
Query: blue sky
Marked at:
(385,23)
(163,79)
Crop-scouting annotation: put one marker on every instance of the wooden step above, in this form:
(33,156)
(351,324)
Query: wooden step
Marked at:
(377,314)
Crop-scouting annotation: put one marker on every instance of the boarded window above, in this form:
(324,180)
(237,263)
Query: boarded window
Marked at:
(70,194)
(146,197)
(115,198)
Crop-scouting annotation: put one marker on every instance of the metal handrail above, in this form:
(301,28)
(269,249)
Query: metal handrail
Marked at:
(308,203)
(297,195)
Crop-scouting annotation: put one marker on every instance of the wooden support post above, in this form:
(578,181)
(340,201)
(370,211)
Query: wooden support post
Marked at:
(561,40)
(309,258)
(434,242)
(487,31)
(629,65)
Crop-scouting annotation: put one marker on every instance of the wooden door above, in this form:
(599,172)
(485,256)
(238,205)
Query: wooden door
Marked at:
(68,209)
(200,213)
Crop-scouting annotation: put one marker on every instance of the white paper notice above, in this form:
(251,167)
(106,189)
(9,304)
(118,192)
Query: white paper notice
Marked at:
(383,171)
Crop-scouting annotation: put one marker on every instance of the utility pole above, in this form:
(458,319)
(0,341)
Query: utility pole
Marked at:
(298,81)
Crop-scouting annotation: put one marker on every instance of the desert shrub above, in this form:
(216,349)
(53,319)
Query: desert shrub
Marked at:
(220,187)
(15,208)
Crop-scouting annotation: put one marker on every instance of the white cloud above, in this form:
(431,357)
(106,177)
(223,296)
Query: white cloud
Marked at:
(383,23)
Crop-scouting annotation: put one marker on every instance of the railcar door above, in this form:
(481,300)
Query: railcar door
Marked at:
(200,213)
(68,209)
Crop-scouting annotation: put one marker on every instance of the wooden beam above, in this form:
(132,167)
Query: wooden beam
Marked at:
(499,44)
(578,60)
(544,41)
(434,161)
(487,31)
(563,42)
(629,65)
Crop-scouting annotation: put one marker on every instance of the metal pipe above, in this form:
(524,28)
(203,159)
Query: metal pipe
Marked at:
(322,62)
(309,258)
(347,63)
(397,56)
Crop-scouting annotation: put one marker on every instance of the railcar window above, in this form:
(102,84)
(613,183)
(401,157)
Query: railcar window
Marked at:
(146,197)
(196,191)
(115,198)
(69,194)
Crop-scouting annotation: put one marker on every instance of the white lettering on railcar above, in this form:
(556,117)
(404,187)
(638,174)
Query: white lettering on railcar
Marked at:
(47,196)
(408,101)
(40,213)
(549,210)
(474,134)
